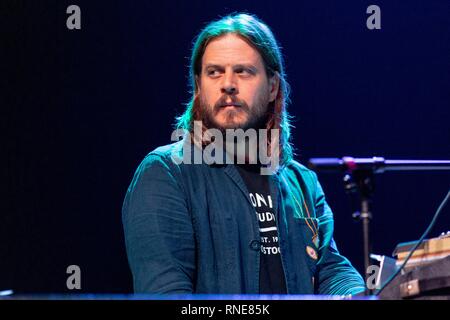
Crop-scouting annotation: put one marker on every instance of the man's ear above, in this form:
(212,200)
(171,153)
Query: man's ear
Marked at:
(274,86)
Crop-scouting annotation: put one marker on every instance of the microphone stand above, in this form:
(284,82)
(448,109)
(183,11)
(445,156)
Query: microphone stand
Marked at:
(359,178)
(362,181)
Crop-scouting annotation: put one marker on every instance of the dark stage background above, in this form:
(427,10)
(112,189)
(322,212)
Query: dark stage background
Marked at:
(81,108)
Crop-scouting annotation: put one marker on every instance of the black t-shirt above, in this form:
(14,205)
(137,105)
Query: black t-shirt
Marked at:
(271,271)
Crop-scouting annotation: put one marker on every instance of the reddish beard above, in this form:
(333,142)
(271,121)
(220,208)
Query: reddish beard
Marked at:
(257,117)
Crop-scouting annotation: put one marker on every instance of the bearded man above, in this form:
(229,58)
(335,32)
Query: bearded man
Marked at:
(222,226)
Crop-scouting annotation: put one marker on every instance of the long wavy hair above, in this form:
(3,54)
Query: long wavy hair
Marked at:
(257,34)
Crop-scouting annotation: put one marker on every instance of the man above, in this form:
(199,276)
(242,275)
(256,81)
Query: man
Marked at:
(222,227)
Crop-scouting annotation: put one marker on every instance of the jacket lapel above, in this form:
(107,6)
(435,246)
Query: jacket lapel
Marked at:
(234,175)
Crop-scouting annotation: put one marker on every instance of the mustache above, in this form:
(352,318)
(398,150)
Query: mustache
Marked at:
(233,101)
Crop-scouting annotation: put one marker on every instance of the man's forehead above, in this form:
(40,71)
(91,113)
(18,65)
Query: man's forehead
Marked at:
(230,49)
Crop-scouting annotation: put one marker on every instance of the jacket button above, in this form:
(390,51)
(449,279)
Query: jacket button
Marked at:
(255,245)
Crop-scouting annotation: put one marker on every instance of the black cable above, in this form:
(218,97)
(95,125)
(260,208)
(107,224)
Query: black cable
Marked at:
(436,215)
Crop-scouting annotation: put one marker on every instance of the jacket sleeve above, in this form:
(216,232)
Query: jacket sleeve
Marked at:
(335,274)
(158,230)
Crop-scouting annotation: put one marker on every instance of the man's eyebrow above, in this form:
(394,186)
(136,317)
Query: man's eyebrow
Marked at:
(250,66)
(239,65)
(213,66)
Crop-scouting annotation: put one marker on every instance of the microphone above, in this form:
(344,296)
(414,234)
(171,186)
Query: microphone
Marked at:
(376,164)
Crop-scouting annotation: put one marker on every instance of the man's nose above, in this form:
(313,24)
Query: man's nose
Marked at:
(229,85)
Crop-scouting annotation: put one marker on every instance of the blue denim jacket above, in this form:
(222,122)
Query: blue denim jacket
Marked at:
(191,228)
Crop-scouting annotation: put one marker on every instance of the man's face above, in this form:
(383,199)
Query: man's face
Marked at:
(233,86)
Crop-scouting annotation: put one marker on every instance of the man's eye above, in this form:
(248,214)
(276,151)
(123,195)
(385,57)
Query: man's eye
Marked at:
(244,71)
(213,73)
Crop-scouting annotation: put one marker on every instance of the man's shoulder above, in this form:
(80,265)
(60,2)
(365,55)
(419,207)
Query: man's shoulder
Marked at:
(166,151)
(158,161)
(298,168)
(164,154)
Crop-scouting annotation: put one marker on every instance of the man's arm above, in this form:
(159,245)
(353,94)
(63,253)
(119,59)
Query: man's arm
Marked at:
(158,230)
(335,273)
